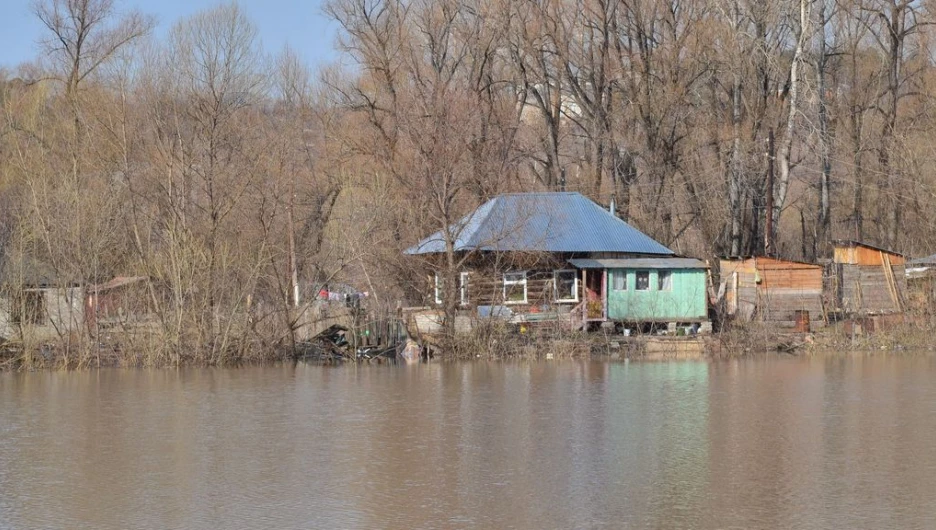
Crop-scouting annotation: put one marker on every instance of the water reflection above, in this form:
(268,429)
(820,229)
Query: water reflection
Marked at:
(768,443)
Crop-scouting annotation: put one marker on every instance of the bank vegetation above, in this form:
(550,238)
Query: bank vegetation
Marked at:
(239,181)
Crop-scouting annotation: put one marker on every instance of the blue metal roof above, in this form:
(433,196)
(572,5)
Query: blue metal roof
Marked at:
(639,263)
(543,222)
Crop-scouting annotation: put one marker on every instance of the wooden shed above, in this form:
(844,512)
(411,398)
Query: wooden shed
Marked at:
(122,301)
(772,290)
(867,279)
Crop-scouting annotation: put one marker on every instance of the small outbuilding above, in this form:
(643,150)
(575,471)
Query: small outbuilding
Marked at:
(36,303)
(921,284)
(774,290)
(867,279)
(41,312)
(921,267)
(122,301)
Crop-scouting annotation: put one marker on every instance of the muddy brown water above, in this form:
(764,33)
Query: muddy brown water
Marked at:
(767,443)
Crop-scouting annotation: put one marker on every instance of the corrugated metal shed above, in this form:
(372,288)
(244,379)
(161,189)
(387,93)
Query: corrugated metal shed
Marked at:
(639,263)
(543,222)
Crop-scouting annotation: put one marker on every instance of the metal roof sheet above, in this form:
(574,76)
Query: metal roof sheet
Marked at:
(639,263)
(928,260)
(543,222)
(118,281)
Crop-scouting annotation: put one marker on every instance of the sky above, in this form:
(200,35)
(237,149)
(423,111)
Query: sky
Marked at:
(300,23)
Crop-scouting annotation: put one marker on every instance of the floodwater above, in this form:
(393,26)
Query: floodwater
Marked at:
(768,443)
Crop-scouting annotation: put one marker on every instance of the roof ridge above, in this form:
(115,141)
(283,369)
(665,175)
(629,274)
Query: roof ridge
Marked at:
(529,193)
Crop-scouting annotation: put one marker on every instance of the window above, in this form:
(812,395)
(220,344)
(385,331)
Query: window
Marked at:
(29,308)
(619,280)
(643,281)
(565,286)
(463,288)
(515,287)
(665,280)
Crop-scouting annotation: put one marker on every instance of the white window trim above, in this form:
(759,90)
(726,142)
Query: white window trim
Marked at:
(575,287)
(522,282)
(621,274)
(463,288)
(660,286)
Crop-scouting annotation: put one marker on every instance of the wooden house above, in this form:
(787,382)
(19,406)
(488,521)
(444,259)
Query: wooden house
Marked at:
(867,279)
(560,256)
(772,290)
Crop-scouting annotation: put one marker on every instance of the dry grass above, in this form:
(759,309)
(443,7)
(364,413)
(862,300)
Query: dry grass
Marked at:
(497,341)
(913,335)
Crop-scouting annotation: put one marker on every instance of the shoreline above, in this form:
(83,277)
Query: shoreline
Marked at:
(736,342)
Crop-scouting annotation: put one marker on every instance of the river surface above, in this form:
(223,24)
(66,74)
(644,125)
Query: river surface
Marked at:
(768,443)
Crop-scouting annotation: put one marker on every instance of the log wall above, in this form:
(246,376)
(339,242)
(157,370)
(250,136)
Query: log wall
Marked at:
(487,288)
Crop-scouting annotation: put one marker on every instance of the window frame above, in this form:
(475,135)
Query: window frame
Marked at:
(637,280)
(575,286)
(463,287)
(660,275)
(614,278)
(522,282)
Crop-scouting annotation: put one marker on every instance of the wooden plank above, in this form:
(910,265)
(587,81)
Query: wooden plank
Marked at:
(891,283)
(843,255)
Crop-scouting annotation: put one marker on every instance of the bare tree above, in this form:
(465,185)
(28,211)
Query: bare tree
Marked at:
(204,105)
(85,34)
(801,35)
(428,71)
(826,12)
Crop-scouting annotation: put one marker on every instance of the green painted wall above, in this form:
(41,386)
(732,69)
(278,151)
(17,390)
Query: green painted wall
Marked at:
(685,301)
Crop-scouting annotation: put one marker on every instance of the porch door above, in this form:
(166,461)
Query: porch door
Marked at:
(595,294)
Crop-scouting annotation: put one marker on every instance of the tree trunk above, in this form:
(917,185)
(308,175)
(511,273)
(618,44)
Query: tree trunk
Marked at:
(735,173)
(783,181)
(825,141)
(896,35)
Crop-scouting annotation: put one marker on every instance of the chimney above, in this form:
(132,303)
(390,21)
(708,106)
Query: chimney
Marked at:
(612,207)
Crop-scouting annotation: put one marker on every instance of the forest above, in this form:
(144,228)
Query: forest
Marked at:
(241,180)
